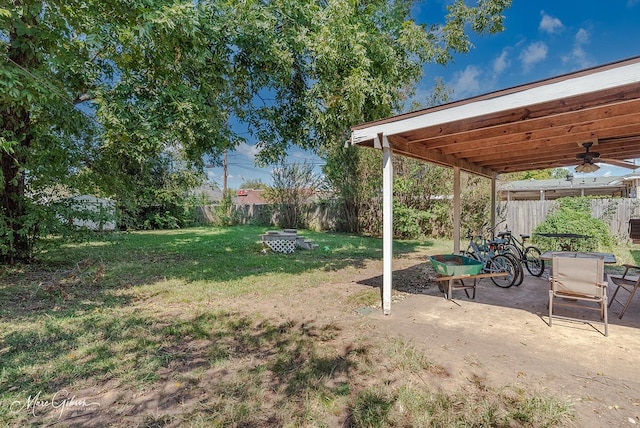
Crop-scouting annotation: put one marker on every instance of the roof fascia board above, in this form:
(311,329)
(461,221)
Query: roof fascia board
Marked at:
(580,85)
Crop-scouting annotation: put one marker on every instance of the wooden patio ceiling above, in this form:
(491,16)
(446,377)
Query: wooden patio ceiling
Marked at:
(534,126)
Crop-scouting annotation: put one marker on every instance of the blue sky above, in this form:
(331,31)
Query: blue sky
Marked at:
(542,39)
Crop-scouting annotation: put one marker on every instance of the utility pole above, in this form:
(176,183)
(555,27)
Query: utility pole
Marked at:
(224,182)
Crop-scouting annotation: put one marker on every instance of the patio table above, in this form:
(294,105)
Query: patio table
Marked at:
(608,257)
(566,239)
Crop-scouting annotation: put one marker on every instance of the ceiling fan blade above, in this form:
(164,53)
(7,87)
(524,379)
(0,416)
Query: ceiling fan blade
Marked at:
(619,163)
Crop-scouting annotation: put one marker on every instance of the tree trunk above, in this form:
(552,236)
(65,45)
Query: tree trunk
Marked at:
(15,242)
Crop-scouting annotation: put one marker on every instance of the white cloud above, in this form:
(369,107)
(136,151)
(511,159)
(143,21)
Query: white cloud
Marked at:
(301,156)
(501,62)
(533,54)
(549,24)
(582,37)
(466,83)
(247,150)
(578,57)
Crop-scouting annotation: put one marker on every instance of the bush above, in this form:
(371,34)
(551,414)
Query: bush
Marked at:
(157,221)
(410,223)
(573,215)
(224,215)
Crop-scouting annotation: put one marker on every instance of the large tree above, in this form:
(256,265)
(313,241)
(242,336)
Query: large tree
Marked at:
(175,74)
(375,74)
(93,92)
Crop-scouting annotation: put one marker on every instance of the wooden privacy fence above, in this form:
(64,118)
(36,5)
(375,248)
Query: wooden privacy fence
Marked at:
(317,216)
(524,216)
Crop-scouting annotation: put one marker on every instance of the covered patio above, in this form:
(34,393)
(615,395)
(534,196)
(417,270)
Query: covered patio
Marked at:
(552,123)
(500,338)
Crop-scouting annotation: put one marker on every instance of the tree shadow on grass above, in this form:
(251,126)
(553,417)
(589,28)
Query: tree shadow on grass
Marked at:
(224,254)
(80,278)
(57,293)
(416,279)
(221,369)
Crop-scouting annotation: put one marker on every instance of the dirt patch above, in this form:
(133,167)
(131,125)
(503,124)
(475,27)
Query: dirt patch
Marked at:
(501,337)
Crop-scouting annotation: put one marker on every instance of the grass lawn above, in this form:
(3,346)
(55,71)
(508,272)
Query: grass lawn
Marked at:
(143,329)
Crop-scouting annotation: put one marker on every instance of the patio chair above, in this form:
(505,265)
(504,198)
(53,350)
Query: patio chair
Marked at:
(629,284)
(578,278)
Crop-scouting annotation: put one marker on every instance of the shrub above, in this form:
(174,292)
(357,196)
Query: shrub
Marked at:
(409,223)
(573,215)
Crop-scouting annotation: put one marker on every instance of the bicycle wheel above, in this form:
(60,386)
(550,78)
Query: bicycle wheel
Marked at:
(470,255)
(502,263)
(513,250)
(534,264)
(518,265)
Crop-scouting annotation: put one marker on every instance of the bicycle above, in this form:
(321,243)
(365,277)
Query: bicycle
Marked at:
(493,261)
(497,245)
(527,255)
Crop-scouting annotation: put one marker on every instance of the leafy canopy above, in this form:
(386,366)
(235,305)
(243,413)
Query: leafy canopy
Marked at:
(94,92)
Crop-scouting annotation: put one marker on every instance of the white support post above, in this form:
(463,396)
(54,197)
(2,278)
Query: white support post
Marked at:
(493,203)
(456,210)
(387,225)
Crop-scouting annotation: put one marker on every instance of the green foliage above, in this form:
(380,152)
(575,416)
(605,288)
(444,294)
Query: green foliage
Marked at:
(427,210)
(475,201)
(224,214)
(408,222)
(573,215)
(353,191)
(537,174)
(420,209)
(382,52)
(167,75)
(133,312)
(422,196)
(293,187)
(153,192)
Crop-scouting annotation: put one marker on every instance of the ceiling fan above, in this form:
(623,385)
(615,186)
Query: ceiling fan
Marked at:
(590,158)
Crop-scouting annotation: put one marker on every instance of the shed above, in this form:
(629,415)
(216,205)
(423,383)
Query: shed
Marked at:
(91,212)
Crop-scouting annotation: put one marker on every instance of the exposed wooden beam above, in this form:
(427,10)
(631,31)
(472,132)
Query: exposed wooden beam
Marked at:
(531,112)
(419,152)
(631,62)
(604,117)
(560,152)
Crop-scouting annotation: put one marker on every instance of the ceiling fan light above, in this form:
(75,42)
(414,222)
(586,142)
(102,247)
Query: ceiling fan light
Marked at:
(587,167)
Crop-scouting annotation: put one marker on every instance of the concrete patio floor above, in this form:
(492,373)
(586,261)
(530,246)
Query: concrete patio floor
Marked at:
(503,336)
